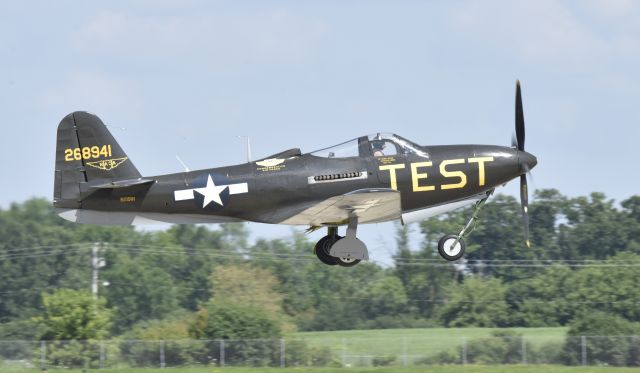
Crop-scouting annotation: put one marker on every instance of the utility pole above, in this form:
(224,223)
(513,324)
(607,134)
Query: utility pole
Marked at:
(96,264)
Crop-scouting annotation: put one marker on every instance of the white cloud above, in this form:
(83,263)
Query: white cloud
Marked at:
(267,37)
(93,91)
(613,8)
(546,32)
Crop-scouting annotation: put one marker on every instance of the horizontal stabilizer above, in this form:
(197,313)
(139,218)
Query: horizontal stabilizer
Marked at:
(123,183)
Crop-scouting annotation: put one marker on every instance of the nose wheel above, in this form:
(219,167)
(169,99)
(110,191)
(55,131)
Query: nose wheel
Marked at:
(452,246)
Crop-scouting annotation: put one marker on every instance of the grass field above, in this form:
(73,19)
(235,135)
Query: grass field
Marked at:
(415,342)
(430,369)
(356,348)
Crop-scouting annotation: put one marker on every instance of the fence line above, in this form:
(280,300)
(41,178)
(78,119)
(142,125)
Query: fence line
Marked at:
(345,352)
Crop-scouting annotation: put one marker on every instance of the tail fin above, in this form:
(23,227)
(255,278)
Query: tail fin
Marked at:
(86,154)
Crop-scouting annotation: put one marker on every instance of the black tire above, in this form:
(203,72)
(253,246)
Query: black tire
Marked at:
(322,250)
(444,248)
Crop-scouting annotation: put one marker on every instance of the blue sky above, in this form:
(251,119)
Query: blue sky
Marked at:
(188,77)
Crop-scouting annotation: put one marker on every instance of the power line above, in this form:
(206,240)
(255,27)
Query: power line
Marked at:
(517,301)
(420,262)
(434,260)
(37,288)
(40,254)
(43,247)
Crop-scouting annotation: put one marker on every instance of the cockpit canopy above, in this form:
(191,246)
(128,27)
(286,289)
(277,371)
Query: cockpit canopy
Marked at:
(379,144)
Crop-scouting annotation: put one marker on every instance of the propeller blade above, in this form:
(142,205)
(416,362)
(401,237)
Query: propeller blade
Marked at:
(519,118)
(524,201)
(532,179)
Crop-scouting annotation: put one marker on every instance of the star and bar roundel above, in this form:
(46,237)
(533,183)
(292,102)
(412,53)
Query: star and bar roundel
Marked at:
(210,191)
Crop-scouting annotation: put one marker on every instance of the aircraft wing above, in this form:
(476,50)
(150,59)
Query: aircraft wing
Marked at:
(369,205)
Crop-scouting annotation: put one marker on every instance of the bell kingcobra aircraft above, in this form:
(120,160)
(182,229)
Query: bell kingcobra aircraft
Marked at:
(371,179)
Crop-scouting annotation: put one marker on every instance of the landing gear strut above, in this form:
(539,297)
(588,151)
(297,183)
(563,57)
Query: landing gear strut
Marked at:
(451,247)
(345,251)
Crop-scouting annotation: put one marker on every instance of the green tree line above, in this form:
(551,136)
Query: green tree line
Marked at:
(208,282)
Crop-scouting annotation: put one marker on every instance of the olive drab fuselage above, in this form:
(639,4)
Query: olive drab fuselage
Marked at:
(275,192)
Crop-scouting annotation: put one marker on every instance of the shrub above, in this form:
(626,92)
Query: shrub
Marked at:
(383,361)
(77,354)
(146,353)
(549,353)
(443,357)
(607,340)
(143,345)
(299,353)
(252,336)
(503,347)
(233,321)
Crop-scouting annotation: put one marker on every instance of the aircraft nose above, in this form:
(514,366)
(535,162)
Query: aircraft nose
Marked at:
(527,161)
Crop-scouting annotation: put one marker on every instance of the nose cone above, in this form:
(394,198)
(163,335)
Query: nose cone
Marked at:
(527,161)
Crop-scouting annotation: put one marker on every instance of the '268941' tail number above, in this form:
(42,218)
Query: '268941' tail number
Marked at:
(87,152)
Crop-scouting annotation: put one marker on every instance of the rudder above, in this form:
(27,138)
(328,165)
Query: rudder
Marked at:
(86,154)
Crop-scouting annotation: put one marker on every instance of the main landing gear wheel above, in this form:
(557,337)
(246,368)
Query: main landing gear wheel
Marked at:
(346,261)
(347,251)
(322,249)
(451,247)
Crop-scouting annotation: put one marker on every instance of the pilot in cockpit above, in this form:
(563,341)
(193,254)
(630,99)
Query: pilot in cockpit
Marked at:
(378,146)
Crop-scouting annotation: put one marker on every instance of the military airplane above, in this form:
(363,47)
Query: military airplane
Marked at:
(370,179)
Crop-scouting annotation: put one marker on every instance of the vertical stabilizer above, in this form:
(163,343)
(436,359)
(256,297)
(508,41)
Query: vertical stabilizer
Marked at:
(86,154)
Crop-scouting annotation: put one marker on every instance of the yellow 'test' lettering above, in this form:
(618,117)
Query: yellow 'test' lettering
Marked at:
(480,161)
(392,173)
(415,177)
(459,174)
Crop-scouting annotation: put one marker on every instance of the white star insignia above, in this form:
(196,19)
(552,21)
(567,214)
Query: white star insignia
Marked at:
(211,192)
